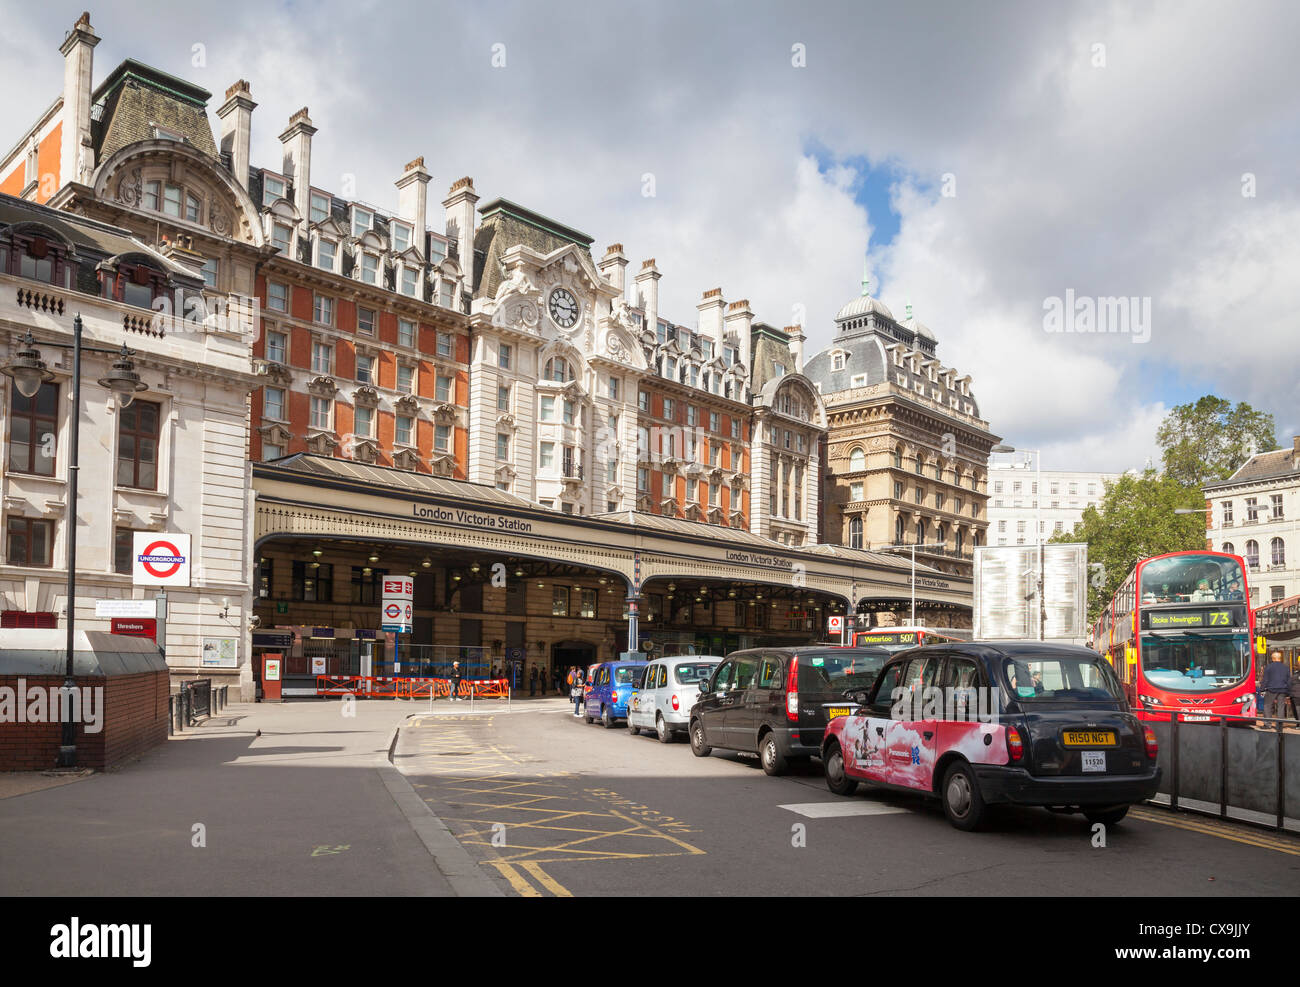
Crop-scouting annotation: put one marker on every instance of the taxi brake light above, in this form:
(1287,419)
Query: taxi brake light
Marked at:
(792,692)
(676,704)
(1015,747)
(1149,739)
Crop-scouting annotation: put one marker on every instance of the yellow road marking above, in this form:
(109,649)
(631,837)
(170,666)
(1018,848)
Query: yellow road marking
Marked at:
(516,880)
(1207,828)
(545,880)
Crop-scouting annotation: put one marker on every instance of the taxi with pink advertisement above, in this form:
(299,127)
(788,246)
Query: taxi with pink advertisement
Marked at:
(976,724)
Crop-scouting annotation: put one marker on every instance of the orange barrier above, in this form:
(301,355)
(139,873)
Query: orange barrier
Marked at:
(390,687)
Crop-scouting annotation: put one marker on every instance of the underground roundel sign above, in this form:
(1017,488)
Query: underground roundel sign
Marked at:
(160,559)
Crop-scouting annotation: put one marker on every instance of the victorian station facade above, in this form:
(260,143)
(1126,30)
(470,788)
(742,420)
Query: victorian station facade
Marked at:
(476,400)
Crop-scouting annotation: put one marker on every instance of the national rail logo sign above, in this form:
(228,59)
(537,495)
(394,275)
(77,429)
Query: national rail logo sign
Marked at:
(160,559)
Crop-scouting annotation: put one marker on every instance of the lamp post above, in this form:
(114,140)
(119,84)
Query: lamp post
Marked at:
(913,546)
(1038,530)
(29,372)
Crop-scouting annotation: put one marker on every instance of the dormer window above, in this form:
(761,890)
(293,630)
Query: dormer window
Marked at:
(437,250)
(410,281)
(319,207)
(369,268)
(401,234)
(136,284)
(670,368)
(272,188)
(281,236)
(837,361)
(326,254)
(362,220)
(778,370)
(37,258)
(558,370)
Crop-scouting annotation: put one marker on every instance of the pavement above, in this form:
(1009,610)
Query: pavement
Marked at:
(311,806)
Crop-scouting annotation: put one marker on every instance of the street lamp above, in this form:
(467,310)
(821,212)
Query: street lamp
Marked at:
(1038,529)
(29,372)
(913,546)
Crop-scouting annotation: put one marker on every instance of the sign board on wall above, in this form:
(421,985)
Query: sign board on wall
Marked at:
(135,627)
(160,559)
(318,666)
(220,652)
(126,608)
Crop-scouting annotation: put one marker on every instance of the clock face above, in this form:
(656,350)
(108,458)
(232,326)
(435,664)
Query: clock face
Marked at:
(563,308)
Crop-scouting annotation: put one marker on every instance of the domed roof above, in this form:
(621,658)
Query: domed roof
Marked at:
(917,326)
(864,304)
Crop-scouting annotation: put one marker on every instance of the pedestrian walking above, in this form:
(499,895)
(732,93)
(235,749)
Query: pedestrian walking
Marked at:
(532,681)
(575,689)
(556,681)
(1275,685)
(455,680)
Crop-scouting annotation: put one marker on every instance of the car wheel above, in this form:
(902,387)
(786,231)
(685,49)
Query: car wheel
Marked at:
(606,720)
(961,797)
(774,762)
(586,713)
(837,779)
(1107,817)
(664,734)
(632,730)
(698,747)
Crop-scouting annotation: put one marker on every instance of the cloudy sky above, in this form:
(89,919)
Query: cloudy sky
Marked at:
(982,158)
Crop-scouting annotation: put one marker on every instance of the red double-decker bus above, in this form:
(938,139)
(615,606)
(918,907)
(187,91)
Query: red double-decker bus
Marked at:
(1181,635)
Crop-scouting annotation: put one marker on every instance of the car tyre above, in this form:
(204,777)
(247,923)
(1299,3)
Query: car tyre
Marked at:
(769,752)
(586,713)
(698,747)
(606,720)
(837,779)
(962,802)
(1107,817)
(662,730)
(631,729)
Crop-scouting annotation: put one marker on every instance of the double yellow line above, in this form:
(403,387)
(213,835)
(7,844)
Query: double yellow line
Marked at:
(534,869)
(1209,827)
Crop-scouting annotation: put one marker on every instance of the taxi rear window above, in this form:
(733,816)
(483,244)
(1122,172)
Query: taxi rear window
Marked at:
(1053,677)
(844,668)
(628,674)
(694,673)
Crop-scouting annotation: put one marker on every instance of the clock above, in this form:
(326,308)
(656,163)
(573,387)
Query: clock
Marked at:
(563,308)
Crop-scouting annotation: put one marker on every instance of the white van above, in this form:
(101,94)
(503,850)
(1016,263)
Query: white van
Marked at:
(672,684)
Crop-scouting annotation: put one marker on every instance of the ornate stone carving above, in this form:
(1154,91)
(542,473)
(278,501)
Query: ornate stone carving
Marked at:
(130,190)
(323,387)
(406,459)
(365,397)
(407,405)
(218,220)
(322,444)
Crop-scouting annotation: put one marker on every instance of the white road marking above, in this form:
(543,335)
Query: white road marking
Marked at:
(832,810)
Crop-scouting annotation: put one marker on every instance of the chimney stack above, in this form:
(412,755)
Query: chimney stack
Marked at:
(613,267)
(297,160)
(647,287)
(236,115)
(740,320)
(796,347)
(413,201)
(710,324)
(459,204)
(76,153)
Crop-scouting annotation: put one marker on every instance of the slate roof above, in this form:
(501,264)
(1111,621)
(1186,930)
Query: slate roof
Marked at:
(769,347)
(135,97)
(505,224)
(1264,466)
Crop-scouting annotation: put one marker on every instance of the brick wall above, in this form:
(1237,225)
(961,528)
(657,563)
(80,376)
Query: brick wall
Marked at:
(134,719)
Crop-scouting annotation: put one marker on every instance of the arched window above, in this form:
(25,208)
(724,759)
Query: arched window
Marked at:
(1229,548)
(920,532)
(557,369)
(961,540)
(920,464)
(855,533)
(941,535)
(898,530)
(979,539)
(1252,555)
(1277,550)
(898,457)
(857,460)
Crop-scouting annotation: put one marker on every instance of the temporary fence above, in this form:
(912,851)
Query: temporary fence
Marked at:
(397,687)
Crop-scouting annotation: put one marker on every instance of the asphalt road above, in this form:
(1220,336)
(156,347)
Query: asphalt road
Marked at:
(555,807)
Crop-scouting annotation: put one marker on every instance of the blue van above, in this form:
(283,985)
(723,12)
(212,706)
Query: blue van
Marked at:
(608,689)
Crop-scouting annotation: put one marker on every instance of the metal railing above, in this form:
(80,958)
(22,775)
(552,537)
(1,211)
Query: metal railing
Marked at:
(194,699)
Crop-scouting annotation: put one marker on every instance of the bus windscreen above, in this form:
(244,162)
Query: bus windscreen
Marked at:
(1191,578)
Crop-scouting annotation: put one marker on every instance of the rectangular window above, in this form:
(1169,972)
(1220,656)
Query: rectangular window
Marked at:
(401,236)
(547,458)
(670,409)
(137,445)
(405,332)
(370,269)
(325,254)
(548,408)
(281,236)
(365,585)
(272,189)
(402,435)
(123,549)
(319,209)
(313,583)
(365,422)
(33,430)
(362,220)
(713,494)
(445,345)
(643,400)
(365,369)
(323,310)
(273,403)
(29,542)
(442,438)
(503,357)
(210,272)
(277,347)
(668,485)
(898,490)
(322,358)
(405,378)
(855,492)
(322,413)
(568,412)
(611,471)
(445,290)
(151,192)
(271,450)
(277,296)
(172,200)
(692,415)
(559,601)
(503,447)
(366,321)
(735,428)
(1277,506)
(642,478)
(410,281)
(1252,509)
(1227,513)
(442,388)
(588,608)
(503,397)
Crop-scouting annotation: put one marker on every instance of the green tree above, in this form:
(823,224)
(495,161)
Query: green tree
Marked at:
(1207,441)
(1135,520)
